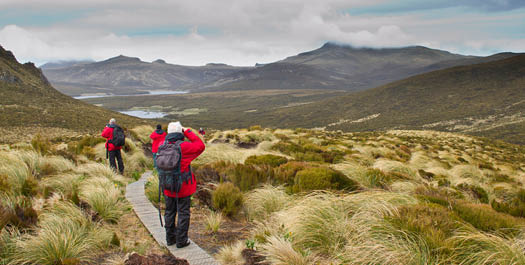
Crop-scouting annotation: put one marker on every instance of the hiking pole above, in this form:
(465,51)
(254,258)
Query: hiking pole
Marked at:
(160,214)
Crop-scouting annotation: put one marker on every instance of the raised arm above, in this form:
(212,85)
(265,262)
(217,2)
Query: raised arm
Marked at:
(196,146)
(106,133)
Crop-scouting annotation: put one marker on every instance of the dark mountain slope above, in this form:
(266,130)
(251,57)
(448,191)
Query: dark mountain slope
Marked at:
(28,100)
(345,68)
(483,99)
(128,75)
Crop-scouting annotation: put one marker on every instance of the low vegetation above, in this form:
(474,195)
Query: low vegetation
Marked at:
(307,196)
(60,203)
(399,197)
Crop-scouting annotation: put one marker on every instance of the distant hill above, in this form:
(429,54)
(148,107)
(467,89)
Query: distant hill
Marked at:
(129,75)
(343,67)
(29,101)
(61,64)
(485,99)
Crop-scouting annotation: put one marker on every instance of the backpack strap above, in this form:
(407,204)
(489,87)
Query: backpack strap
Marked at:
(189,172)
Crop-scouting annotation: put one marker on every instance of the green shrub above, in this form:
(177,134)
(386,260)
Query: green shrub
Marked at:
(306,151)
(255,128)
(483,217)
(270,160)
(247,177)
(434,223)
(285,173)
(227,198)
(322,178)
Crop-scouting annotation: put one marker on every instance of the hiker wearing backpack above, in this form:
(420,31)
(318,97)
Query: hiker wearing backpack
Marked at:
(157,138)
(177,181)
(115,139)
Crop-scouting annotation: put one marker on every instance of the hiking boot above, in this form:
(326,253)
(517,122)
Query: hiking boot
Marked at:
(171,242)
(187,243)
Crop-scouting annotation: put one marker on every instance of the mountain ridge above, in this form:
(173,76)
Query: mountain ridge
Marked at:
(344,67)
(480,99)
(29,100)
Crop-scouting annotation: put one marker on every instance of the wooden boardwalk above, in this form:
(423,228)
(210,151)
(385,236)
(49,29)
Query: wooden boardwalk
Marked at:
(149,216)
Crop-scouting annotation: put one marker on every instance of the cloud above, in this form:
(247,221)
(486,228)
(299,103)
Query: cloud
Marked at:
(244,32)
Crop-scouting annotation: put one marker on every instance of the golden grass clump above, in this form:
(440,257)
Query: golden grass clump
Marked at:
(50,165)
(261,203)
(142,133)
(475,247)
(67,184)
(228,152)
(104,198)
(231,254)
(213,221)
(137,161)
(152,189)
(280,251)
(101,170)
(396,168)
(64,236)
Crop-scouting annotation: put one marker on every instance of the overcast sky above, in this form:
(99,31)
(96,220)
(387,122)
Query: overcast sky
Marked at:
(245,32)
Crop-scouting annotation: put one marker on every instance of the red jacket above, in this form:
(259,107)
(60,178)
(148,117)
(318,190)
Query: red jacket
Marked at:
(108,134)
(158,139)
(190,150)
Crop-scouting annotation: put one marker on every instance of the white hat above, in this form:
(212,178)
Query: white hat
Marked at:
(175,127)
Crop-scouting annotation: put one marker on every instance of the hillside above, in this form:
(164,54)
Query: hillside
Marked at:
(29,103)
(482,99)
(127,75)
(343,67)
(321,197)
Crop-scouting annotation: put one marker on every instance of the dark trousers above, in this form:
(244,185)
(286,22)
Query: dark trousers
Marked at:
(155,160)
(115,154)
(177,233)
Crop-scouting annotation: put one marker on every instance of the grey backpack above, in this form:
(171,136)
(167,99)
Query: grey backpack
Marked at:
(168,156)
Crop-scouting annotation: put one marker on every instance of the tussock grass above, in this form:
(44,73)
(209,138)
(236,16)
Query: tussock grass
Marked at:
(261,203)
(67,184)
(152,189)
(231,254)
(55,164)
(8,239)
(101,170)
(32,160)
(104,198)
(60,242)
(280,251)
(228,152)
(64,236)
(397,168)
(16,176)
(480,248)
(213,221)
(142,133)
(137,161)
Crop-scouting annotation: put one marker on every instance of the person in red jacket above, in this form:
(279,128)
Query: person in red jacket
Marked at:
(157,138)
(114,151)
(179,202)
